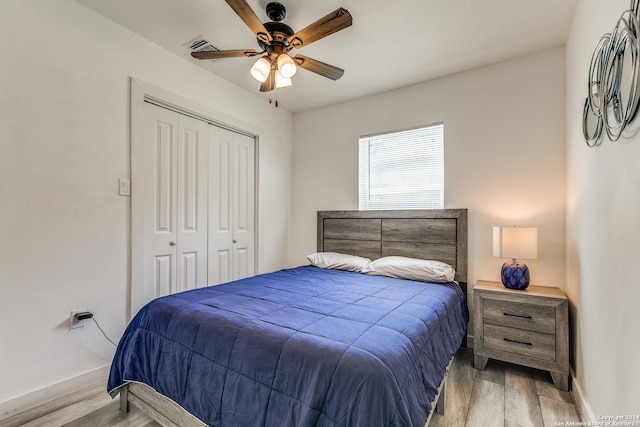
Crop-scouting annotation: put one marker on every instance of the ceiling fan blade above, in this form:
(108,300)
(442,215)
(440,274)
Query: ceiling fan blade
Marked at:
(270,83)
(337,20)
(244,11)
(220,54)
(319,67)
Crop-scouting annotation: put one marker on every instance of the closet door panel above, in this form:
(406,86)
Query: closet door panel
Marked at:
(221,266)
(165,158)
(244,206)
(220,205)
(188,269)
(192,202)
(231,206)
(169,205)
(164,275)
(155,190)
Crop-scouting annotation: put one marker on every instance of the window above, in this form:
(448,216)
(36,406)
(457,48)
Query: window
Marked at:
(402,170)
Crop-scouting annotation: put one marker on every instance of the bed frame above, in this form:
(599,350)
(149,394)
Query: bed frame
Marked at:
(437,234)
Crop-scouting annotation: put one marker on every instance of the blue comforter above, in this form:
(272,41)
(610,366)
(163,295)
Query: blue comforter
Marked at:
(297,347)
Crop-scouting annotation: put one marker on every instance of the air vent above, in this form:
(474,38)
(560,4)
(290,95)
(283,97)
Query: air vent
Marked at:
(201,44)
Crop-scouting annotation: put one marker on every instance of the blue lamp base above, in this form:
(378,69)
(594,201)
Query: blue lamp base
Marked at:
(515,275)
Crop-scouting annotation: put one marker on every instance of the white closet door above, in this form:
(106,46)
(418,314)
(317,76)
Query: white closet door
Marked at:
(155,190)
(243,206)
(169,205)
(192,206)
(231,206)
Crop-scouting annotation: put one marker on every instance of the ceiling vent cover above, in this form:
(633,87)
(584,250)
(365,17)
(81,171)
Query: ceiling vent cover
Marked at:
(201,44)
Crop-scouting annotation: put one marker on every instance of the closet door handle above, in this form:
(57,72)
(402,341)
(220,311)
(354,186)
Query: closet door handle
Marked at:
(172,243)
(235,241)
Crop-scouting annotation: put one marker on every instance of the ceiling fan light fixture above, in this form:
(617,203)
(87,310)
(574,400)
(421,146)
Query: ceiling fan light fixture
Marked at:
(282,81)
(260,70)
(286,66)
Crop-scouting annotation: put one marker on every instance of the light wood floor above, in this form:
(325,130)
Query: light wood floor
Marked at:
(501,395)
(91,407)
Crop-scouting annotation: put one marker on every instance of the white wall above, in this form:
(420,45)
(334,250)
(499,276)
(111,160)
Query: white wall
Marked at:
(64,135)
(504,155)
(603,229)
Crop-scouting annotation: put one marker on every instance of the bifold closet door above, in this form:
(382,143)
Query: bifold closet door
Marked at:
(169,204)
(231,206)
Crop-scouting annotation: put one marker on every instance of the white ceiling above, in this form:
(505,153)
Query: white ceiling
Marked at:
(389,45)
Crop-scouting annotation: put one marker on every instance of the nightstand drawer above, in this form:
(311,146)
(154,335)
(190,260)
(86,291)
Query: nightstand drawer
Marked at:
(532,317)
(532,344)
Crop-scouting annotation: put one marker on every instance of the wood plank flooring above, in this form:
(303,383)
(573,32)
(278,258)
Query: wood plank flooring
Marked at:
(90,407)
(501,395)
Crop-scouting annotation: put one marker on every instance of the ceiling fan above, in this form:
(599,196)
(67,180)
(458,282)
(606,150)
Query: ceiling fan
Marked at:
(275,68)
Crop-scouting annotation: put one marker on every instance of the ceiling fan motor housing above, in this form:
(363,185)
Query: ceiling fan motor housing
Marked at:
(280,33)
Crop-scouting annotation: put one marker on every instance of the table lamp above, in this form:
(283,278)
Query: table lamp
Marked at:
(515,242)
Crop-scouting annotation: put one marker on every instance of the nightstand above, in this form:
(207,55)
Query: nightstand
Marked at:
(528,327)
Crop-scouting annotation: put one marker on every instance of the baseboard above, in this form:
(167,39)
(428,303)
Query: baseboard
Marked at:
(586,413)
(46,394)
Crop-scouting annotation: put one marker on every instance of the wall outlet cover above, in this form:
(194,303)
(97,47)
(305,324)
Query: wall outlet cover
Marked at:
(73,322)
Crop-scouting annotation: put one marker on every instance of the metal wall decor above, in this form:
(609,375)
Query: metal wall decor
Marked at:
(613,97)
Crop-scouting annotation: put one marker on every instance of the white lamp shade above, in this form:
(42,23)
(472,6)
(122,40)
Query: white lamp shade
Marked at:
(515,242)
(282,81)
(286,66)
(260,70)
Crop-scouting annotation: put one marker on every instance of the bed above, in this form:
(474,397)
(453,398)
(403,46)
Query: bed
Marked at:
(307,346)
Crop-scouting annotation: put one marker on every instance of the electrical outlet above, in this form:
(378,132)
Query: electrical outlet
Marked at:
(75,323)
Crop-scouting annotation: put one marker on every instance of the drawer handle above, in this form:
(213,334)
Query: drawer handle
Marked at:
(517,342)
(518,315)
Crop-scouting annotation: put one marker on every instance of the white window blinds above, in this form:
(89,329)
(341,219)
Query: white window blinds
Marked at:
(402,170)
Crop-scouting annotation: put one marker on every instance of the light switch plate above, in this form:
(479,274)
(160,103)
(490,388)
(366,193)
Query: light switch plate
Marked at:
(125,187)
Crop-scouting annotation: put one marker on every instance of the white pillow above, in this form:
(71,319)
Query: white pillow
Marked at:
(337,261)
(411,268)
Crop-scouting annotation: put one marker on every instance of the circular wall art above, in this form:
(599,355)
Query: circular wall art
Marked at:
(612,99)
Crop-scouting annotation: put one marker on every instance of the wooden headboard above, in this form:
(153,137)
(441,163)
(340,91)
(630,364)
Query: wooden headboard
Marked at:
(438,234)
